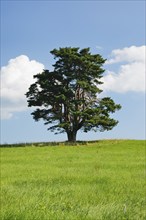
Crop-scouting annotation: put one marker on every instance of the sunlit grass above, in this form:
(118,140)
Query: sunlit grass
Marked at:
(103,180)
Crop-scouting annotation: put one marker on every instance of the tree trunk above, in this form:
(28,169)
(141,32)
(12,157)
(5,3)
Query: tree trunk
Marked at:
(72,136)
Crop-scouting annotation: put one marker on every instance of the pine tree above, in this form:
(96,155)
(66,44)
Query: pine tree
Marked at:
(68,97)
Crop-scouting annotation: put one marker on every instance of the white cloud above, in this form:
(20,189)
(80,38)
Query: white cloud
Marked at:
(16,78)
(131,74)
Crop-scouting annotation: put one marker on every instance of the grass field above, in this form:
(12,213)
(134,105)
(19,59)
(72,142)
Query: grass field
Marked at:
(103,180)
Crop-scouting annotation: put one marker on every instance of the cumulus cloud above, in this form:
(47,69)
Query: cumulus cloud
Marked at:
(131,74)
(16,78)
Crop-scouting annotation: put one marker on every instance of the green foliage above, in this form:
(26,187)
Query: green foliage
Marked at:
(99,181)
(68,95)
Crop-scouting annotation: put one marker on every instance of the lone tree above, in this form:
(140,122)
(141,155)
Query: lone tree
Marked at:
(68,97)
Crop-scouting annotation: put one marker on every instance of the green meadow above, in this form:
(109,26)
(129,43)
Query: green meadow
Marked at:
(98,181)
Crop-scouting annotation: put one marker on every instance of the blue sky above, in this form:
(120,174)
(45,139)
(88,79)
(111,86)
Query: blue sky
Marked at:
(31,29)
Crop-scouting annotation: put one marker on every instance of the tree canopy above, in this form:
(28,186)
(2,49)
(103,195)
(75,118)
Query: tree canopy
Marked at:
(67,98)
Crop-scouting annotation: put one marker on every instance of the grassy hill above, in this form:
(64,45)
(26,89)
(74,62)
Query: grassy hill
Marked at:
(97,181)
